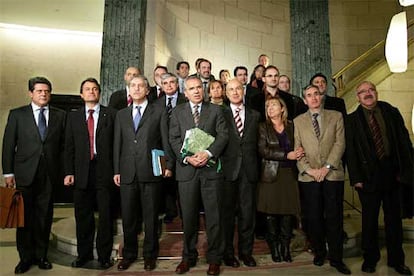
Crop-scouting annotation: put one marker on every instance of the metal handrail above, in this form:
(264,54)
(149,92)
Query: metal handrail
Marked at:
(338,79)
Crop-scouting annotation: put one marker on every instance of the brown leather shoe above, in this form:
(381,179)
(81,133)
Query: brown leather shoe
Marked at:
(124,264)
(231,261)
(213,269)
(149,264)
(185,266)
(248,260)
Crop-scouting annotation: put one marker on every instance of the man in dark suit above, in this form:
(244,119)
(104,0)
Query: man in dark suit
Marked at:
(89,167)
(32,144)
(294,103)
(240,73)
(321,177)
(328,102)
(170,100)
(156,91)
(380,165)
(121,98)
(240,167)
(182,71)
(196,178)
(139,129)
(203,67)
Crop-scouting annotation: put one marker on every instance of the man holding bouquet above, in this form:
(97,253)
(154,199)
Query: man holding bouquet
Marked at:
(199,174)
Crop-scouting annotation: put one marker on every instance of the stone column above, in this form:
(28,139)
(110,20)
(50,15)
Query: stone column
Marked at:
(311,51)
(122,42)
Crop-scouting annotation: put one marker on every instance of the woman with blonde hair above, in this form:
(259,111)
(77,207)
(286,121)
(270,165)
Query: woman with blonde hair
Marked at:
(216,92)
(278,195)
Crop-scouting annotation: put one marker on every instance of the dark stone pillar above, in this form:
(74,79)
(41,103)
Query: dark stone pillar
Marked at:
(311,51)
(122,43)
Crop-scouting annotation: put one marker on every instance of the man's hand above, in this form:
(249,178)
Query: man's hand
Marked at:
(314,173)
(167,173)
(69,180)
(359,185)
(117,180)
(10,181)
(199,159)
(322,173)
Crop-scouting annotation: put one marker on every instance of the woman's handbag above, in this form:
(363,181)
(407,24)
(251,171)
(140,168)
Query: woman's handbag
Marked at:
(11,208)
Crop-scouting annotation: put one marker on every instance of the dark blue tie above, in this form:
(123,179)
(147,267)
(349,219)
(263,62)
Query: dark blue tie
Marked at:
(42,124)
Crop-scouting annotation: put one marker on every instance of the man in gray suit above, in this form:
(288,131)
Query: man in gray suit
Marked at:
(32,143)
(321,177)
(139,128)
(196,178)
(170,100)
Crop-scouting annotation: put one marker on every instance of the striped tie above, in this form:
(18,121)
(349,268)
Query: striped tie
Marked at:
(376,136)
(238,121)
(196,115)
(316,124)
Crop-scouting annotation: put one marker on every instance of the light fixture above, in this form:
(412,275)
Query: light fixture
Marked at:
(406,3)
(396,47)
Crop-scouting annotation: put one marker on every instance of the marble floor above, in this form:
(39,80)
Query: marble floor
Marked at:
(302,264)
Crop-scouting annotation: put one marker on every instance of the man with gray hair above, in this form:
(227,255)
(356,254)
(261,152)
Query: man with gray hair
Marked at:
(172,98)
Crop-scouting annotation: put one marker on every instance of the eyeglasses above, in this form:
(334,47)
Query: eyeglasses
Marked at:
(364,91)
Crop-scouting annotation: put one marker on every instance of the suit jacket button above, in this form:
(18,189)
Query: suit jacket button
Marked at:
(135,141)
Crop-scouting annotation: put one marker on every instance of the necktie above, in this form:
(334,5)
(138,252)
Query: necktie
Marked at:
(169,106)
(42,124)
(129,100)
(376,136)
(205,89)
(137,117)
(91,133)
(160,93)
(238,121)
(316,124)
(196,115)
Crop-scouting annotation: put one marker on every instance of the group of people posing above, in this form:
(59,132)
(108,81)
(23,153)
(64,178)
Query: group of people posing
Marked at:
(273,152)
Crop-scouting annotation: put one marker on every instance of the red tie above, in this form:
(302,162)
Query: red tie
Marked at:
(129,101)
(91,132)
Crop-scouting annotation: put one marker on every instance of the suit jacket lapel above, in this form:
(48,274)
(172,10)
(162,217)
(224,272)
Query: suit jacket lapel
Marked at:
(324,122)
(81,119)
(230,118)
(145,117)
(31,121)
(204,114)
(189,119)
(101,120)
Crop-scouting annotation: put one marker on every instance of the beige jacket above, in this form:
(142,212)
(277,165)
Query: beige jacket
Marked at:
(328,149)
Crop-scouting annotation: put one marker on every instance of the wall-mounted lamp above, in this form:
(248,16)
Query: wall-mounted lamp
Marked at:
(396,47)
(406,3)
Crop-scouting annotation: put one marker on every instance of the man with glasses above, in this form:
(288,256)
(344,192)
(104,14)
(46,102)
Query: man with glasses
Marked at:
(380,165)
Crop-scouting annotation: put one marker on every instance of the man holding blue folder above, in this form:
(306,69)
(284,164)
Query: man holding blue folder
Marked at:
(139,129)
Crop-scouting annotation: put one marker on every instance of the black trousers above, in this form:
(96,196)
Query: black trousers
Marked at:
(239,200)
(322,208)
(191,192)
(33,239)
(133,196)
(85,200)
